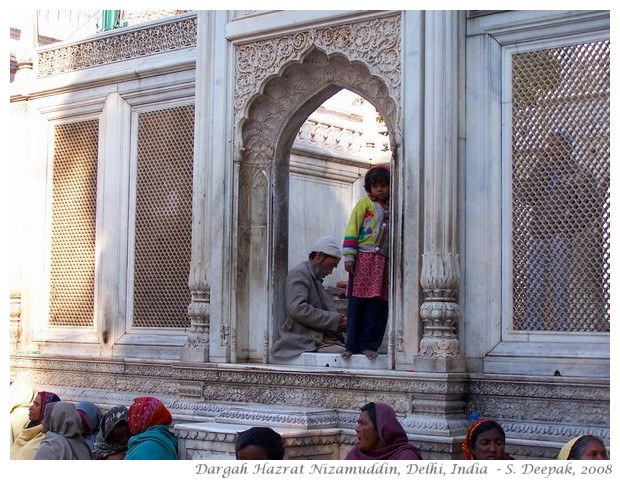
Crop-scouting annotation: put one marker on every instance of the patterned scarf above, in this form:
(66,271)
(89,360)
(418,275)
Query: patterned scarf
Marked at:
(145,412)
(105,444)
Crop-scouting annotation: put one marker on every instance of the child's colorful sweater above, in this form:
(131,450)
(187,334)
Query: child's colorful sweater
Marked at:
(367,230)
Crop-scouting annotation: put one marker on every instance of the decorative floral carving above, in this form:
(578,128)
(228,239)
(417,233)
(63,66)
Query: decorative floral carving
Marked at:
(195,341)
(122,44)
(330,137)
(16,324)
(544,411)
(324,419)
(375,44)
(439,312)
(199,312)
(440,276)
(190,390)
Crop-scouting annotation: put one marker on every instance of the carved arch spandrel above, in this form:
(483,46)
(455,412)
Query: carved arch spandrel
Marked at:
(280,82)
(373,44)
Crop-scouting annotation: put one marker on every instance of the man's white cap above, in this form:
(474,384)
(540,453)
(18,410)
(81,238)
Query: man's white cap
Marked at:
(329,246)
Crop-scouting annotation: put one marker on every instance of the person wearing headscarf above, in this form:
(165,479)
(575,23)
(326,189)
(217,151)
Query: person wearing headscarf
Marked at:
(584,447)
(27,442)
(485,440)
(149,422)
(111,441)
(47,417)
(63,437)
(21,395)
(380,436)
(91,418)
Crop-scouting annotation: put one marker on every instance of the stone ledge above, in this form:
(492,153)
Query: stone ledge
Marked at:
(334,360)
(216,441)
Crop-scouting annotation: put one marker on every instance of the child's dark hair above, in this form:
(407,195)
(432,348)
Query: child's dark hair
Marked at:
(377,174)
(265,438)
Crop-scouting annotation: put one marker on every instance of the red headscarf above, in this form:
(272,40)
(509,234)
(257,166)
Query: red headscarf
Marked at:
(145,412)
(467,441)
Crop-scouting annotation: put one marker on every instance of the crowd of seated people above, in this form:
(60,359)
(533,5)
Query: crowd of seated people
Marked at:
(44,427)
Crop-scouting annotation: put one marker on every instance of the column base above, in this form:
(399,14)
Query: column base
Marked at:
(439,364)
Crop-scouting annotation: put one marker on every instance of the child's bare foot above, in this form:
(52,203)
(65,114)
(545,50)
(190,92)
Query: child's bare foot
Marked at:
(370,354)
(346,354)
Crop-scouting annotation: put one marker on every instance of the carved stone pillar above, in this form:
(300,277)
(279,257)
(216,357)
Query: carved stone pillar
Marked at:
(16,325)
(196,348)
(439,348)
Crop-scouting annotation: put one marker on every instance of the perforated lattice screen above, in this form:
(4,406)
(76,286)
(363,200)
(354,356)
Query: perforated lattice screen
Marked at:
(560,174)
(163,217)
(74,201)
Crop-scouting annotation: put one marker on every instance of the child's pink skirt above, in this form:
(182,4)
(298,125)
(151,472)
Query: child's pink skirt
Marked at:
(372,272)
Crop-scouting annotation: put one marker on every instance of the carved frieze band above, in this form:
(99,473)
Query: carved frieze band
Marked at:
(543,407)
(330,137)
(557,388)
(135,376)
(324,420)
(550,402)
(560,432)
(121,45)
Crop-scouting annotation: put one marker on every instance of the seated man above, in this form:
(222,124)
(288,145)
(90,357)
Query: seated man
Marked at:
(313,323)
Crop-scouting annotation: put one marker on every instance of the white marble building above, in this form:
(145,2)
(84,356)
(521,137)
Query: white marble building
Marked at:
(165,176)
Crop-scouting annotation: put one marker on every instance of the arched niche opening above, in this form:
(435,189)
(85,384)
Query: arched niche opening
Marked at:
(270,190)
(331,153)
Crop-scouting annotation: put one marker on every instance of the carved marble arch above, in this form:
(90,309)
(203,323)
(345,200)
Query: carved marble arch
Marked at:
(274,117)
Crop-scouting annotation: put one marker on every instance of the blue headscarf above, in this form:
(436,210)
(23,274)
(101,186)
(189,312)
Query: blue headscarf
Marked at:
(91,416)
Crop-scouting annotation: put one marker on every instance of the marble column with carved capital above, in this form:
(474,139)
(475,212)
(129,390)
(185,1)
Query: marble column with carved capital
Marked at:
(196,348)
(439,348)
(16,326)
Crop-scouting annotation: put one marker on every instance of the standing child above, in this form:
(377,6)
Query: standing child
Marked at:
(366,255)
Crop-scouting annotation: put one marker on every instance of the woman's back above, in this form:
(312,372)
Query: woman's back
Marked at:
(155,443)
(149,422)
(63,440)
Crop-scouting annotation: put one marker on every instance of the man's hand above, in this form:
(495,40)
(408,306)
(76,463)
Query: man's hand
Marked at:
(342,324)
